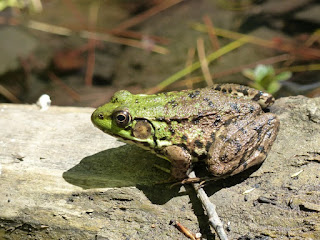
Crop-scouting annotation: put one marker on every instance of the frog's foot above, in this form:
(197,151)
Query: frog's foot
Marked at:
(242,144)
(180,161)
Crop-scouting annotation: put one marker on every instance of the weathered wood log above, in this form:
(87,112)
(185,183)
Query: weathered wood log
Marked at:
(63,179)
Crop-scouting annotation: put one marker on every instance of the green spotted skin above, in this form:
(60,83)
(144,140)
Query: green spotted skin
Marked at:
(223,125)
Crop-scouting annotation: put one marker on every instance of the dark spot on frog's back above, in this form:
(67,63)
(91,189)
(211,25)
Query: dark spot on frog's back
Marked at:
(198,143)
(202,157)
(173,103)
(235,107)
(213,136)
(184,138)
(228,122)
(217,121)
(238,145)
(194,154)
(210,103)
(258,129)
(243,90)
(243,130)
(194,94)
(257,96)
(218,88)
(208,145)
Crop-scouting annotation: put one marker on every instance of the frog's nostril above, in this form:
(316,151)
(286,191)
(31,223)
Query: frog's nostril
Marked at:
(100,116)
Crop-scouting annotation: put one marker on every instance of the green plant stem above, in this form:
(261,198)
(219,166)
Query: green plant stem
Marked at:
(228,48)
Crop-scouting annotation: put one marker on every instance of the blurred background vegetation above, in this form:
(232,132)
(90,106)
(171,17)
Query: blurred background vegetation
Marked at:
(81,52)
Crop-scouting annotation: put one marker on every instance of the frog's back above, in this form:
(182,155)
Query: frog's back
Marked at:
(192,103)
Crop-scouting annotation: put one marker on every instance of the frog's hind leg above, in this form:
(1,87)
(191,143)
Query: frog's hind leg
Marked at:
(242,144)
(268,135)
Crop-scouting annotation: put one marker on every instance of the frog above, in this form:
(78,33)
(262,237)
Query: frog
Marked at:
(226,126)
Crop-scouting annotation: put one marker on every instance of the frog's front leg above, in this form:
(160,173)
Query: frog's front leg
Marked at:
(242,144)
(180,161)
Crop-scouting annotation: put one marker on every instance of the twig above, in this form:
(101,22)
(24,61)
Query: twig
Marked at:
(93,17)
(204,62)
(210,208)
(190,56)
(145,15)
(139,35)
(9,95)
(73,94)
(45,27)
(315,37)
(74,10)
(211,32)
(266,61)
(90,62)
(196,65)
(302,51)
(300,68)
(183,229)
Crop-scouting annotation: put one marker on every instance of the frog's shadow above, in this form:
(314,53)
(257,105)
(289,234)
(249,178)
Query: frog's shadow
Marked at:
(128,166)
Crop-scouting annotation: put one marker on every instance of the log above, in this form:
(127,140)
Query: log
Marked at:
(61,178)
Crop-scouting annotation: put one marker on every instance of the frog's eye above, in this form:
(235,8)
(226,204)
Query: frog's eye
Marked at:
(121,118)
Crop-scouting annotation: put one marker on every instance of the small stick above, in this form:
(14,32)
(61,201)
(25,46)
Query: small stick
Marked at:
(72,93)
(93,18)
(183,229)
(145,15)
(204,62)
(266,61)
(210,208)
(190,56)
(212,35)
(9,95)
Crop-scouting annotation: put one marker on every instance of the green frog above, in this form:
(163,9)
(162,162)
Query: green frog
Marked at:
(223,125)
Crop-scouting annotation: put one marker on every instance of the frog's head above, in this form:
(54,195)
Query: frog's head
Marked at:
(119,118)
